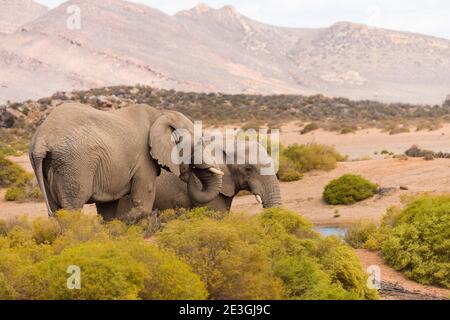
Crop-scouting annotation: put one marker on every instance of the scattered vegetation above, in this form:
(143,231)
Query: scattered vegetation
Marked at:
(195,254)
(348,190)
(220,108)
(14,142)
(299,159)
(21,185)
(359,235)
(414,240)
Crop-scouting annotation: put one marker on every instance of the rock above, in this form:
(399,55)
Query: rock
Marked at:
(414,152)
(384,192)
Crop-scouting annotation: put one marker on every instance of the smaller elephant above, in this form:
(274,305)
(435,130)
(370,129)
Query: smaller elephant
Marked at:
(82,155)
(172,192)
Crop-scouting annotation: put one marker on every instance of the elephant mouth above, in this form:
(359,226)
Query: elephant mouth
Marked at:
(267,194)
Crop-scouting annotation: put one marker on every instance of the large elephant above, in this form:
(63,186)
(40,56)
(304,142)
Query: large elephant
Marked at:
(82,155)
(171,192)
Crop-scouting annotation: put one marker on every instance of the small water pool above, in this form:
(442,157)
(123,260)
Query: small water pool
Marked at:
(326,231)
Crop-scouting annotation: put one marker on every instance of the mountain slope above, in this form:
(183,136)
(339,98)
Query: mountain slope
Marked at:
(205,49)
(15,13)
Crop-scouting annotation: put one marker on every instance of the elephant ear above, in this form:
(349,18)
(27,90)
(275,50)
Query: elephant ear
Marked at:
(163,140)
(228,186)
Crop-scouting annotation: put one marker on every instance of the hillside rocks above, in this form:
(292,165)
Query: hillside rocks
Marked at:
(416,152)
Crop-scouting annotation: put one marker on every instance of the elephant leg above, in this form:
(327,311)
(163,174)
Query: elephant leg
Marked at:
(72,194)
(142,194)
(108,210)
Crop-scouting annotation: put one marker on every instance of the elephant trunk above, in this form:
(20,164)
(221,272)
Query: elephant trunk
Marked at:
(209,187)
(271,194)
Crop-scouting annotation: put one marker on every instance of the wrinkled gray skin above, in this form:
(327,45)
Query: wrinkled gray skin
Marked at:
(82,155)
(171,192)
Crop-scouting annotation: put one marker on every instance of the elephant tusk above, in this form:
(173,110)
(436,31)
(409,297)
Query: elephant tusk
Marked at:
(216,171)
(258,198)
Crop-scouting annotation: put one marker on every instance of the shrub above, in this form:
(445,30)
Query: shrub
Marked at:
(200,254)
(348,190)
(309,128)
(10,173)
(358,234)
(277,245)
(313,156)
(20,183)
(288,171)
(115,261)
(231,267)
(298,159)
(418,240)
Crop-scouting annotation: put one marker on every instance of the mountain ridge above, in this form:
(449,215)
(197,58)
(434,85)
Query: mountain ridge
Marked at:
(218,50)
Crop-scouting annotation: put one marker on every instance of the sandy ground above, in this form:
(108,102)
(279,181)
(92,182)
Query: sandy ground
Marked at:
(305,196)
(365,143)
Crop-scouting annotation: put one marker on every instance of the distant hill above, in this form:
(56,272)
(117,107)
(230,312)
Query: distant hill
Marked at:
(217,50)
(15,13)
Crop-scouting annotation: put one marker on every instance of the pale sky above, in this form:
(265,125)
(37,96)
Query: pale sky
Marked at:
(430,17)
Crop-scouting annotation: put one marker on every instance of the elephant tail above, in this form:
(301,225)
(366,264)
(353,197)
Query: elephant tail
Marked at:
(37,161)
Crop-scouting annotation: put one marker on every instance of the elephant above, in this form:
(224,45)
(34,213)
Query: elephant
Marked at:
(82,155)
(172,192)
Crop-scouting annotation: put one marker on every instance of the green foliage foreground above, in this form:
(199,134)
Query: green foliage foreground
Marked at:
(198,255)
(414,240)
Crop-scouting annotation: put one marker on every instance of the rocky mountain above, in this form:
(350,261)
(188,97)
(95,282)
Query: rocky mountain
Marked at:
(206,49)
(15,13)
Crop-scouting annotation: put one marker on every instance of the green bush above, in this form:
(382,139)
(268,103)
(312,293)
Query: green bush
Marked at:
(288,171)
(299,159)
(312,267)
(309,128)
(116,262)
(198,254)
(20,184)
(231,267)
(247,257)
(10,173)
(418,240)
(359,234)
(313,156)
(348,190)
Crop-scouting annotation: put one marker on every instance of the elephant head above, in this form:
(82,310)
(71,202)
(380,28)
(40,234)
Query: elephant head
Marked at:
(243,173)
(173,133)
